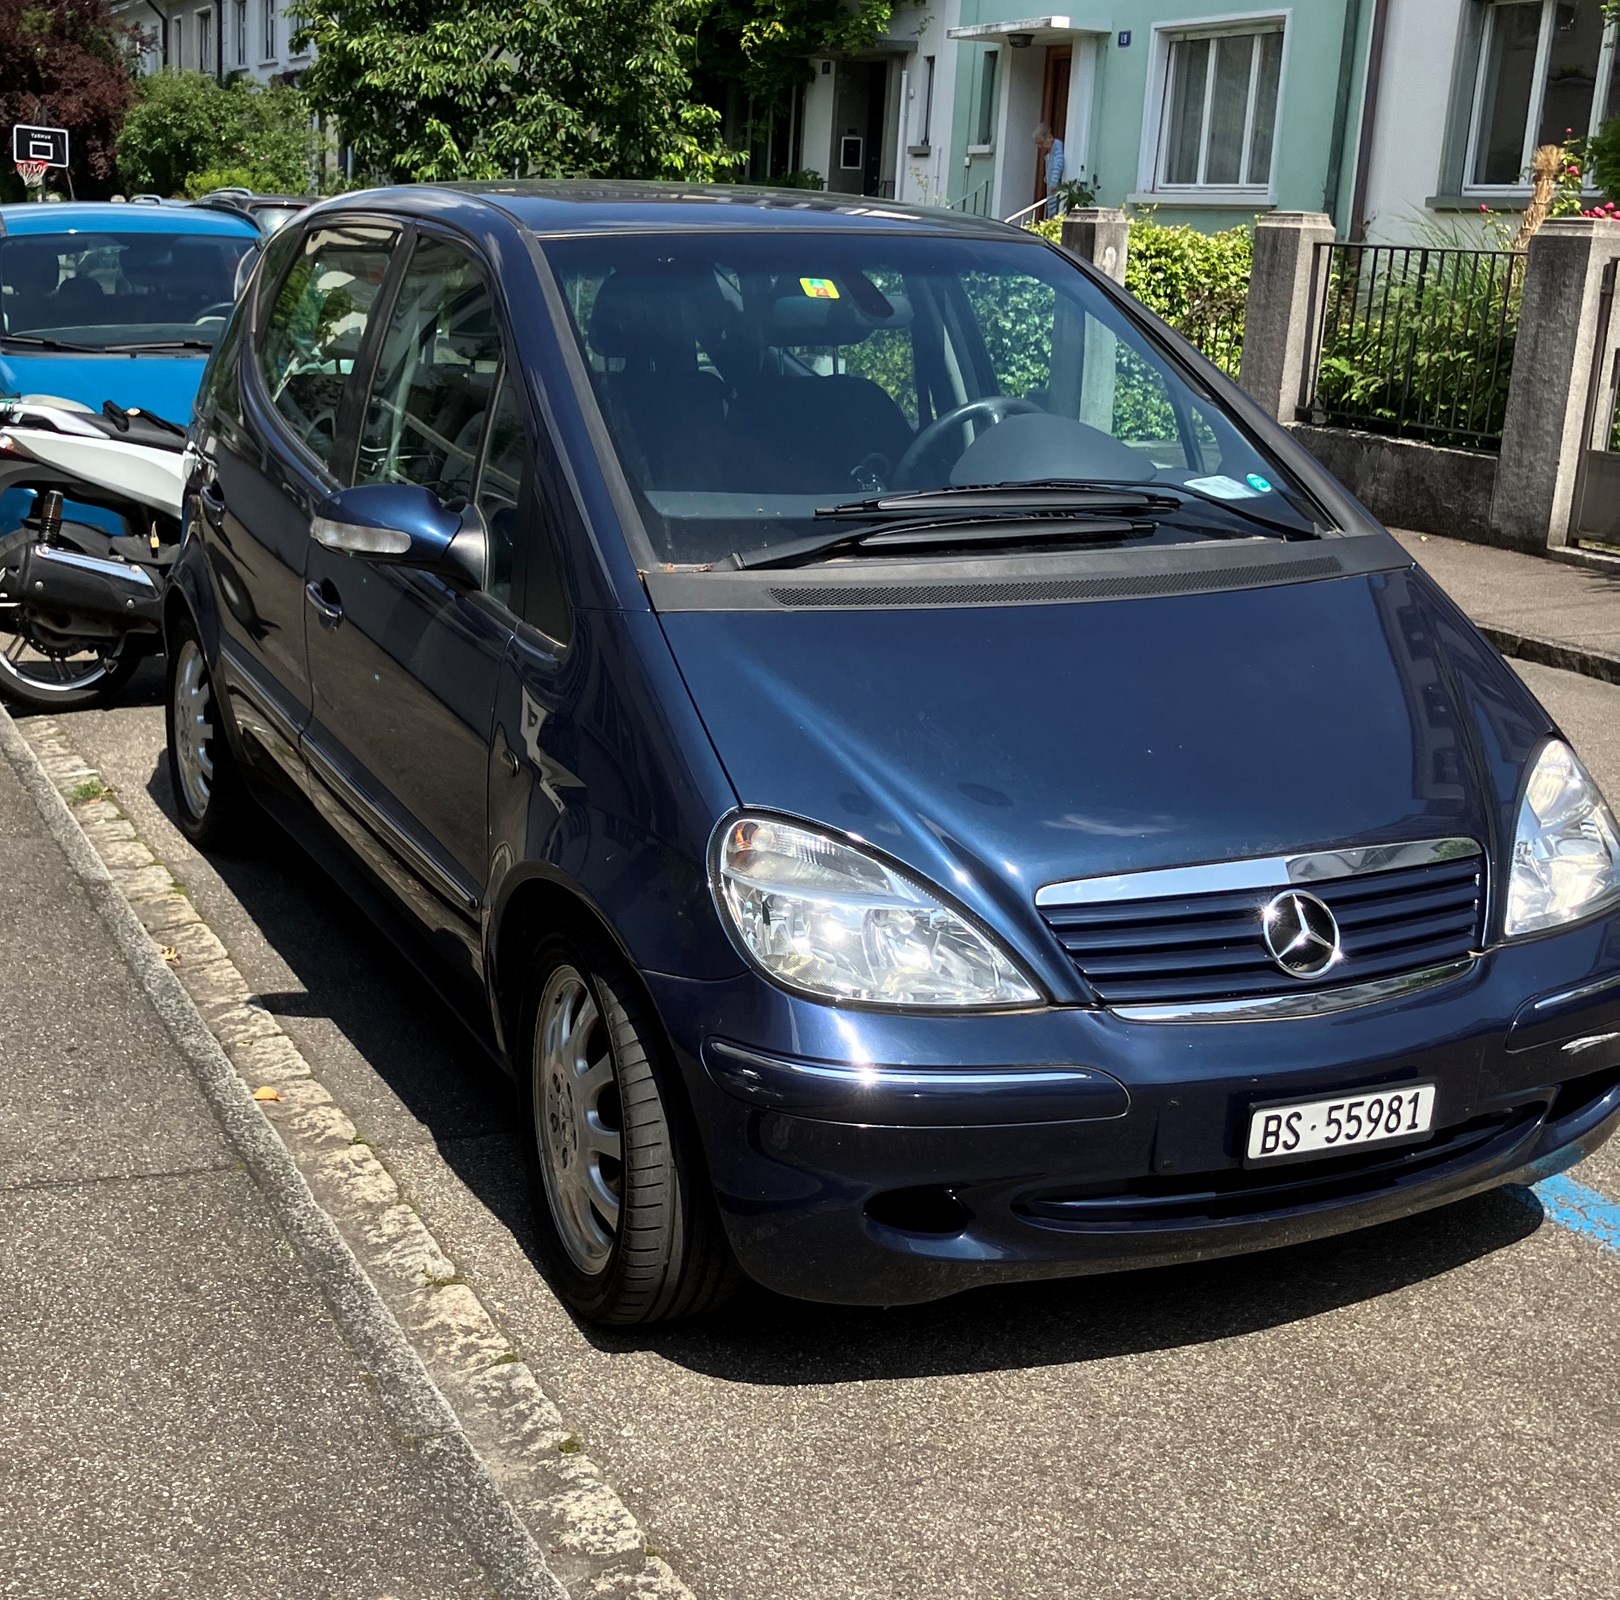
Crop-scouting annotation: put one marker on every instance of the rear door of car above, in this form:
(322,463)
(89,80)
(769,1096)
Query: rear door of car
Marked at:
(268,461)
(404,663)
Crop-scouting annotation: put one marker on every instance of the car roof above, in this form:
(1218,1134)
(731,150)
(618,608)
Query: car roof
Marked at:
(107,216)
(568,206)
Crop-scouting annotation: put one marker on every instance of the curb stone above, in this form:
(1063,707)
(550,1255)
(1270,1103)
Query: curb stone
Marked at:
(535,1509)
(1589,663)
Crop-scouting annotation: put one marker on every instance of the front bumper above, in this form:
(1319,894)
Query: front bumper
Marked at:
(868,1158)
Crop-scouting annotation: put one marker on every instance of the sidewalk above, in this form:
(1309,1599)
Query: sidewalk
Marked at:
(1531,607)
(179,1414)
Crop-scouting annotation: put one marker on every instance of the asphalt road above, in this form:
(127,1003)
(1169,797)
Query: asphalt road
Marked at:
(1431,1408)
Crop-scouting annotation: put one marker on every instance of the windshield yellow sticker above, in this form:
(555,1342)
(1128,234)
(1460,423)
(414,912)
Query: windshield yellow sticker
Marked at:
(819,288)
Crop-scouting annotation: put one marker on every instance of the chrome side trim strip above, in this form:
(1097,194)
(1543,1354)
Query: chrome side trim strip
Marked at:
(1322,1002)
(1263,872)
(1566,997)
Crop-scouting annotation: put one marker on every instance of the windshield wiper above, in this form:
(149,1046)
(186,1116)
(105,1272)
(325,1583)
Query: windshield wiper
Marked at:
(932,533)
(160,344)
(1045,494)
(1060,494)
(39,341)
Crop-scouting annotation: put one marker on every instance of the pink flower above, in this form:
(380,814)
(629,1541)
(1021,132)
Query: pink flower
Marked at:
(1572,171)
(1485,208)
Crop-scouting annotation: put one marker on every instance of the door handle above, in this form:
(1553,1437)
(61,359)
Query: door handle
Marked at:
(212,502)
(327,606)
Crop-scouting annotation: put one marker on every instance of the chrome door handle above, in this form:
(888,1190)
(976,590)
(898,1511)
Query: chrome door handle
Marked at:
(329,611)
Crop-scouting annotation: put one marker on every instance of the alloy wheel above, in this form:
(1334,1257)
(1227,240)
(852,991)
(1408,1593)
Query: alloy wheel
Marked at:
(578,1124)
(193,728)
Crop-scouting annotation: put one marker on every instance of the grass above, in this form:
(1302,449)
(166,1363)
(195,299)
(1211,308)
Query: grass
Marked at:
(571,1446)
(91,789)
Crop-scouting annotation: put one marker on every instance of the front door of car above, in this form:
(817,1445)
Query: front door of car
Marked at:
(404,662)
(264,471)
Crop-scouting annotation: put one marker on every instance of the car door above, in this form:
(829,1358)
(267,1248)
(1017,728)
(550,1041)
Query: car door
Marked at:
(404,662)
(269,462)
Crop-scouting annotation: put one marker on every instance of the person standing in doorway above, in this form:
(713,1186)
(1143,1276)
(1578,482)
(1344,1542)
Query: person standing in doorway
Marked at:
(1051,154)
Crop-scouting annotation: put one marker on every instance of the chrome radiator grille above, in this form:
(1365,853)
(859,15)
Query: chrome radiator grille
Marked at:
(1207,944)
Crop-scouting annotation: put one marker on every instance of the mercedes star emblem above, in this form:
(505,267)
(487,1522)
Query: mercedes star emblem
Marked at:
(1301,934)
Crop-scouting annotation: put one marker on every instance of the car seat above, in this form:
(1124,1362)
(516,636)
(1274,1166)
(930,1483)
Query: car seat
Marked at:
(669,414)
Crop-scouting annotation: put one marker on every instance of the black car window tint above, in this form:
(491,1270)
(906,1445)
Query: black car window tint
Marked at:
(425,419)
(313,334)
(500,488)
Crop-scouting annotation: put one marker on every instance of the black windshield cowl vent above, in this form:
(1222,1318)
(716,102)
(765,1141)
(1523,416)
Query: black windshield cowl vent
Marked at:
(1038,591)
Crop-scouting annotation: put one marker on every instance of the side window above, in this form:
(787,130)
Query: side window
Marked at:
(310,340)
(430,399)
(500,488)
(501,499)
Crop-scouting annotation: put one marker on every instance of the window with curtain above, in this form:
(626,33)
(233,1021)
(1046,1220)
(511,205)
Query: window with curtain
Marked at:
(1546,72)
(1218,125)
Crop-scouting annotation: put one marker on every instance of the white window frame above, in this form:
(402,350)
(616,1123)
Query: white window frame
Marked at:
(295,21)
(177,43)
(1538,98)
(205,39)
(269,15)
(241,13)
(1152,189)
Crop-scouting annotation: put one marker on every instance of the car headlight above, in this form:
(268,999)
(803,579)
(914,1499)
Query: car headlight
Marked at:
(1566,853)
(822,916)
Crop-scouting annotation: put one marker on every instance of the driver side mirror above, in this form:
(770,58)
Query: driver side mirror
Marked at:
(401,523)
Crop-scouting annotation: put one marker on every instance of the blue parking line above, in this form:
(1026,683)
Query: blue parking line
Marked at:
(1572,1205)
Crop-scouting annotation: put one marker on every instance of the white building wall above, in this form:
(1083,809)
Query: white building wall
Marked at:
(257,37)
(1420,55)
(924,179)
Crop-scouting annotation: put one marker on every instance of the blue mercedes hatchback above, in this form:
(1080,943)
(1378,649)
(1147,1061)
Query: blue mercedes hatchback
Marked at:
(918,779)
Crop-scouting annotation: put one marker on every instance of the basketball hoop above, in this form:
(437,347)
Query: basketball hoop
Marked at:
(32,173)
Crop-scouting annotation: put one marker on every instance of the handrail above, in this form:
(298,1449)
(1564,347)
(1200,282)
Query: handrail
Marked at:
(1028,211)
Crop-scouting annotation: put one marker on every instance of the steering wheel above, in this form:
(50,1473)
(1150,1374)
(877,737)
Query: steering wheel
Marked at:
(991,408)
(219,309)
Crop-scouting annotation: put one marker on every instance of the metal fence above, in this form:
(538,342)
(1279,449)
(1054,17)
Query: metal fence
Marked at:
(1414,341)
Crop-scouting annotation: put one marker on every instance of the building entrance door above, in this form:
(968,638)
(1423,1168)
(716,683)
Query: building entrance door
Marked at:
(1054,107)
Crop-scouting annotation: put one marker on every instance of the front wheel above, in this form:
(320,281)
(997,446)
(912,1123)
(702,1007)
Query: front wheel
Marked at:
(208,796)
(627,1228)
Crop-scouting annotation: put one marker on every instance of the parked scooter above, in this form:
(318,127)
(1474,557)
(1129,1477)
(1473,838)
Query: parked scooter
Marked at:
(95,503)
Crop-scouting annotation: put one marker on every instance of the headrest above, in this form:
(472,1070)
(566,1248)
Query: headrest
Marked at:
(653,315)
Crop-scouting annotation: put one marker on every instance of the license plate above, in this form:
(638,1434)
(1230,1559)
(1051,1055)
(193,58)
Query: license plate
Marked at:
(1345,1122)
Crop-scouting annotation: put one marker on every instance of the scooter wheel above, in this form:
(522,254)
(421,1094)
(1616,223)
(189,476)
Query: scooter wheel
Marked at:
(59,680)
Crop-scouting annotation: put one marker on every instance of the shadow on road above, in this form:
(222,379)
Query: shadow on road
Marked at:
(354,977)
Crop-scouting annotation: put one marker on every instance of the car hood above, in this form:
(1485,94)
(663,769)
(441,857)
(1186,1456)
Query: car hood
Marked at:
(995,749)
(165,385)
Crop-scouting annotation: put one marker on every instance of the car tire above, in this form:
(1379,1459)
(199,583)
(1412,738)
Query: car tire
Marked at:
(209,799)
(626,1225)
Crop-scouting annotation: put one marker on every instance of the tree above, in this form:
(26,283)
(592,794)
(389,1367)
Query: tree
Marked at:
(431,90)
(188,133)
(67,64)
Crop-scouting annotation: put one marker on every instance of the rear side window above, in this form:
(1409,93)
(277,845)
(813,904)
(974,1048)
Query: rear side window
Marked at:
(309,342)
(429,402)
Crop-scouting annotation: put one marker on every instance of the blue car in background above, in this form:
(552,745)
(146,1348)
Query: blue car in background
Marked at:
(112,302)
(115,309)
(921,781)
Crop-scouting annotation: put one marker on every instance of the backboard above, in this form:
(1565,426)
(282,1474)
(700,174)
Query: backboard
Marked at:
(49,145)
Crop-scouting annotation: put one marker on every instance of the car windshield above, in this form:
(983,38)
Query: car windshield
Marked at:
(98,290)
(750,381)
